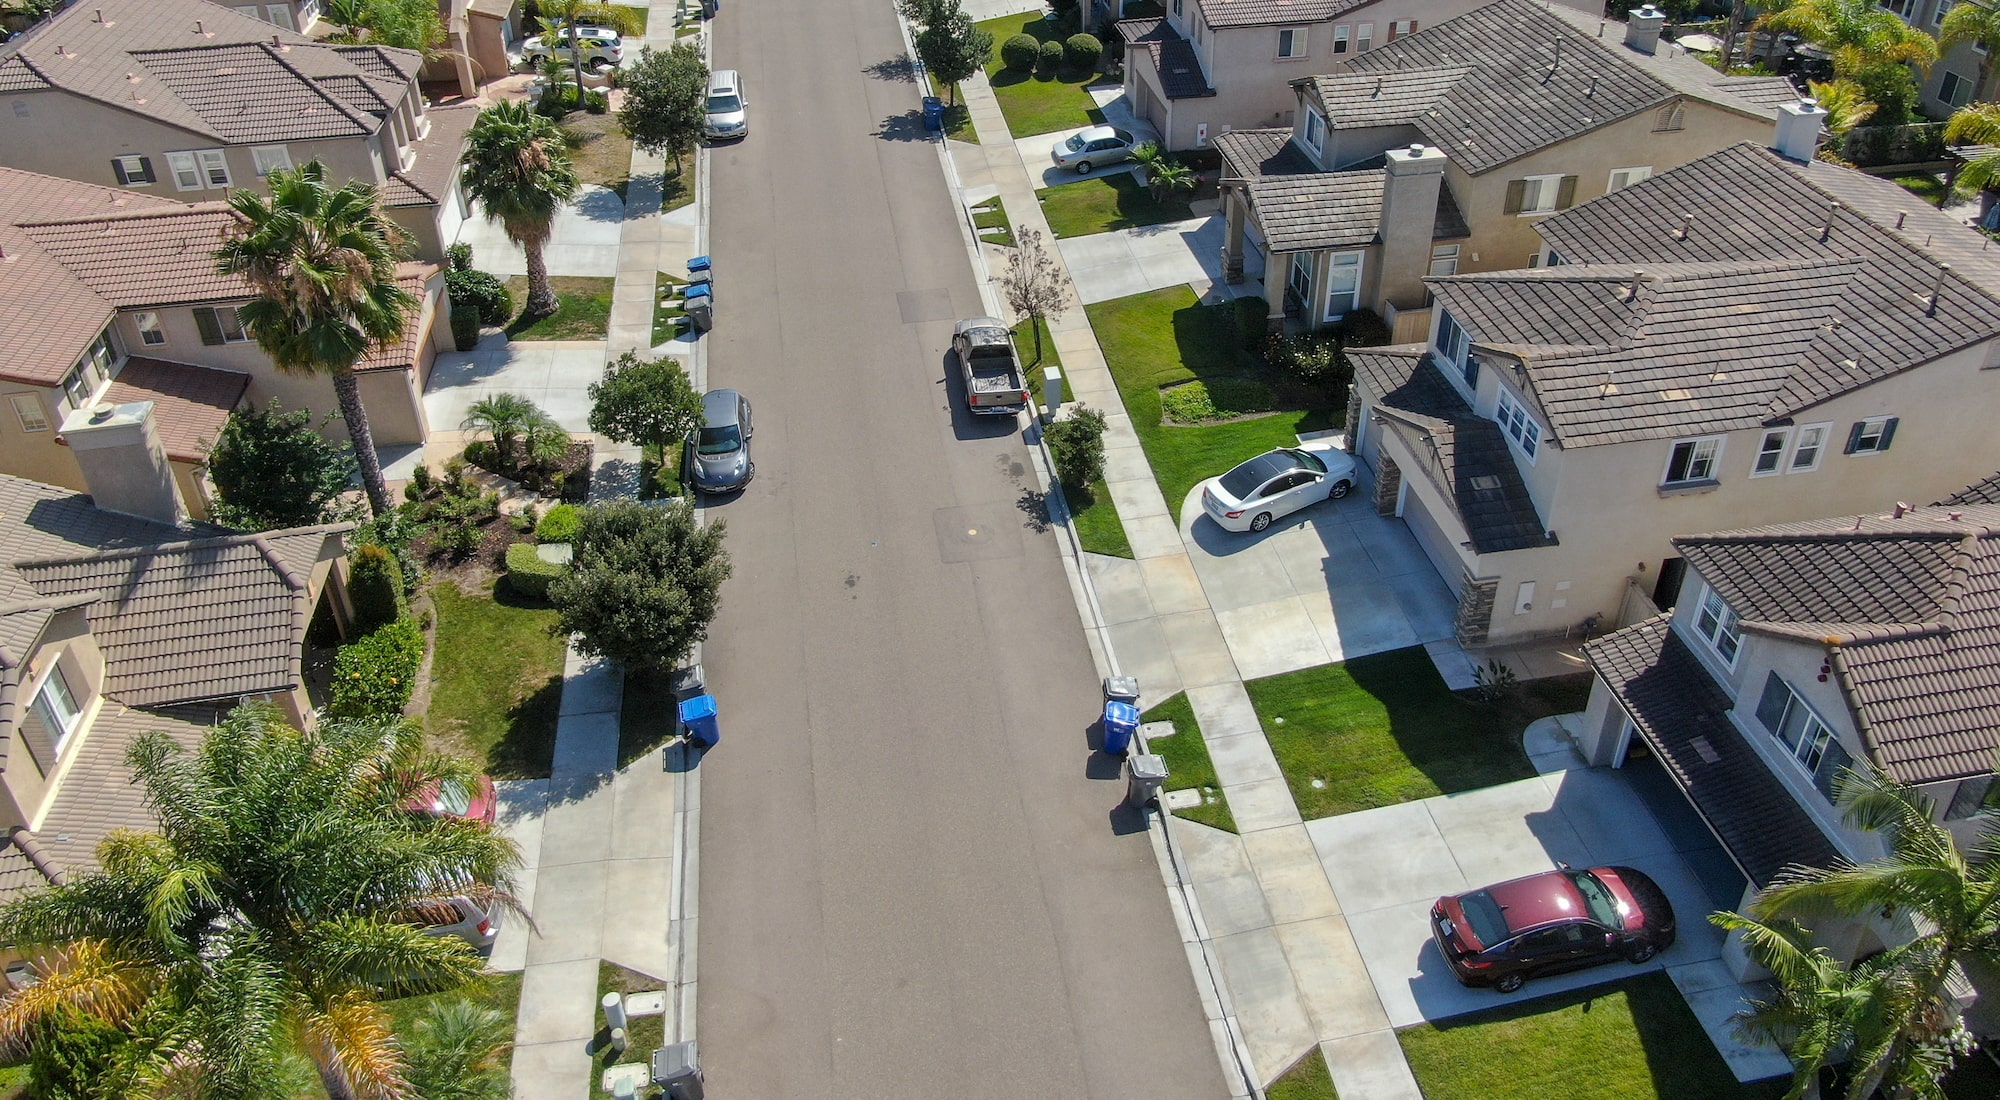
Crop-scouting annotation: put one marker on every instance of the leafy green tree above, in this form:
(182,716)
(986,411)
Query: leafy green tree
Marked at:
(1846,104)
(457,1051)
(1977,124)
(1078,443)
(272,469)
(260,921)
(518,167)
(351,16)
(322,262)
(643,585)
(650,402)
(666,100)
(950,44)
(405,24)
(1869,44)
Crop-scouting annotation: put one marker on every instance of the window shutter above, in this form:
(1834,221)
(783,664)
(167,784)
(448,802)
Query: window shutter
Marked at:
(35,734)
(118,169)
(211,329)
(1566,193)
(1517,196)
(1888,433)
(1771,708)
(1853,438)
(146,171)
(1413,27)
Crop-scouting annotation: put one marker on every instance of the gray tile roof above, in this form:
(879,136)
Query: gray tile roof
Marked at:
(1173,57)
(1253,153)
(1253,13)
(23,867)
(1984,491)
(1310,210)
(1473,467)
(1682,715)
(428,181)
(1907,611)
(1356,100)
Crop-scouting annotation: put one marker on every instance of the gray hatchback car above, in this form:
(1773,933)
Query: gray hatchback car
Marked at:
(716,458)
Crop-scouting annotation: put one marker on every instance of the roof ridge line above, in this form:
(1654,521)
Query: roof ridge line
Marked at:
(371,123)
(24,839)
(212,206)
(120,552)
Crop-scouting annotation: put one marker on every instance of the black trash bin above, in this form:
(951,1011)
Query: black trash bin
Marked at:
(933,114)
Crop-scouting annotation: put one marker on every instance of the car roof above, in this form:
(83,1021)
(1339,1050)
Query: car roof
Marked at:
(722,80)
(1096,132)
(1538,900)
(1270,464)
(718,407)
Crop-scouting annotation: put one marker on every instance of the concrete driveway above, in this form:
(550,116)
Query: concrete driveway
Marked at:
(1132,261)
(584,242)
(554,374)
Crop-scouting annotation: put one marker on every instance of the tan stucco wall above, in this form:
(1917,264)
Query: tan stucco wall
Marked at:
(488,45)
(66,640)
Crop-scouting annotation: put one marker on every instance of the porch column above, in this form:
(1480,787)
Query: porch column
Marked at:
(1388,483)
(1235,208)
(1276,264)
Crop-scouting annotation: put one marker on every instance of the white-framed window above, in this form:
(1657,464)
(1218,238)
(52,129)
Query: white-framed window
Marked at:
(1671,117)
(1444,260)
(1554,259)
(1343,284)
(1718,626)
(1291,43)
(1177,7)
(1364,37)
(220,326)
(1400,27)
(1341,34)
(1771,453)
(28,410)
(56,706)
(281,14)
(1621,178)
(133,170)
(90,371)
(1315,131)
(1692,461)
(1809,448)
(150,332)
(1805,737)
(1540,194)
(1520,427)
(1937,17)
(1902,9)
(1871,436)
(1954,89)
(199,169)
(1455,348)
(270,158)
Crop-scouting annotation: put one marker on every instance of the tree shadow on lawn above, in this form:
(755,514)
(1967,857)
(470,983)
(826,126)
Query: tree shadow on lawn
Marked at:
(529,747)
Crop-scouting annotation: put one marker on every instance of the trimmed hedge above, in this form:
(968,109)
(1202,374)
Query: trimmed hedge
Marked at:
(560,525)
(527,574)
(375,584)
(1019,52)
(373,677)
(1082,51)
(1050,54)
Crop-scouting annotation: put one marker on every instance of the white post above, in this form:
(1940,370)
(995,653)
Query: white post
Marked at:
(614,1011)
(1052,391)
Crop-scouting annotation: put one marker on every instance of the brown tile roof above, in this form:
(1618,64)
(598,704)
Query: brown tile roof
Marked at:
(413,278)
(1683,716)
(23,867)
(1173,57)
(1907,611)
(145,257)
(1470,464)
(203,68)
(427,182)
(1253,153)
(190,404)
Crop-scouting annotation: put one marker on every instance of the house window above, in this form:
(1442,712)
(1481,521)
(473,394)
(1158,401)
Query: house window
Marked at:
(150,332)
(1343,284)
(90,372)
(1937,17)
(1692,461)
(1555,259)
(281,15)
(270,158)
(1444,260)
(1717,625)
(1452,345)
(197,169)
(133,171)
(1871,436)
(1954,89)
(56,706)
(1364,37)
(1670,117)
(1621,178)
(1291,42)
(28,409)
(1771,452)
(1804,736)
(1400,27)
(1973,795)
(1177,7)
(1811,444)
(1340,35)
(220,326)
(1513,419)
(1315,130)
(1540,195)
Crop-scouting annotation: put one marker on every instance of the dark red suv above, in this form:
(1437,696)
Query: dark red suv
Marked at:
(1548,923)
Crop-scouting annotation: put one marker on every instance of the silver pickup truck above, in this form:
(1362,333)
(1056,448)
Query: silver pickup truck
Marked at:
(993,382)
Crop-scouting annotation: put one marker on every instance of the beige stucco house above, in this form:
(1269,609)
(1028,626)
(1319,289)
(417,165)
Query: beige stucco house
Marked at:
(1441,152)
(1744,339)
(190,99)
(114,298)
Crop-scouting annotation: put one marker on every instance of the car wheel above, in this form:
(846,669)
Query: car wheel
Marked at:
(1508,983)
(1262,521)
(1083,168)
(1340,489)
(1642,953)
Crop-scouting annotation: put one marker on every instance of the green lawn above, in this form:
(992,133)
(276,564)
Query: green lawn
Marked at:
(1630,1041)
(1165,336)
(647,716)
(1037,102)
(677,184)
(1384,729)
(957,119)
(1308,1079)
(1188,764)
(1927,185)
(583,310)
(992,214)
(643,1034)
(659,472)
(1096,521)
(496,681)
(1118,201)
(1032,363)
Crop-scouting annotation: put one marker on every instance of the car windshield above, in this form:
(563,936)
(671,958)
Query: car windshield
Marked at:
(1075,144)
(1597,898)
(723,104)
(1309,460)
(719,441)
(453,798)
(1489,925)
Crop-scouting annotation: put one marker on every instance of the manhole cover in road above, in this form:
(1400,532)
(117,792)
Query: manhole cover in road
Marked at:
(975,534)
(924,305)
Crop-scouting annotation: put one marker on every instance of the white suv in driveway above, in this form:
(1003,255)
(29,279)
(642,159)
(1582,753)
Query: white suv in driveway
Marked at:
(596,44)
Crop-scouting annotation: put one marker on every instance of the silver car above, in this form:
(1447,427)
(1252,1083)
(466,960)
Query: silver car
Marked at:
(716,458)
(1093,148)
(726,115)
(598,45)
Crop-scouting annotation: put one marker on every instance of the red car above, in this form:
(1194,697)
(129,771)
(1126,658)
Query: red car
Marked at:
(1548,923)
(478,804)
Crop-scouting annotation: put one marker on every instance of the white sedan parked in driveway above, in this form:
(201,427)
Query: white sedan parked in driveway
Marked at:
(1275,484)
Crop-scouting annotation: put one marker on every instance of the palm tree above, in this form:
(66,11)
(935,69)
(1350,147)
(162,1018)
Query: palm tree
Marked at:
(322,261)
(1869,44)
(1977,124)
(1846,103)
(569,12)
(456,1052)
(261,919)
(518,167)
(1972,22)
(501,416)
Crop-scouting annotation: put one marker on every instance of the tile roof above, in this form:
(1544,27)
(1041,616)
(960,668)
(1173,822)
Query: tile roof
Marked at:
(1984,491)
(190,404)
(1907,611)
(1683,716)
(1173,57)
(414,278)
(206,69)
(1222,14)
(1472,465)
(1306,211)
(23,867)
(145,257)
(1253,153)
(427,182)
(1513,77)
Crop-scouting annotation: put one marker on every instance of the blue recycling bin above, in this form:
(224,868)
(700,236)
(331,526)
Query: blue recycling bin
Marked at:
(933,114)
(1121,721)
(698,718)
(698,290)
(698,265)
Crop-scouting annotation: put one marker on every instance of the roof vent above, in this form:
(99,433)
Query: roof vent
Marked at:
(198,29)
(1632,292)
(1901,215)
(1900,509)
(1687,226)
(1416,149)
(1937,288)
(1485,483)
(102,411)
(1954,516)
(98,17)
(1826,227)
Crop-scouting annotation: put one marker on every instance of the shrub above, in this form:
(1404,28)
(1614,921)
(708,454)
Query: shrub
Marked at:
(1078,443)
(1314,362)
(375,584)
(459,539)
(643,586)
(464,327)
(373,677)
(527,574)
(393,533)
(1082,51)
(560,525)
(1050,55)
(459,256)
(596,102)
(1364,328)
(1020,52)
(485,293)
(1216,399)
(1253,317)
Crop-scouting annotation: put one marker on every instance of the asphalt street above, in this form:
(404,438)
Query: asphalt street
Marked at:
(913,880)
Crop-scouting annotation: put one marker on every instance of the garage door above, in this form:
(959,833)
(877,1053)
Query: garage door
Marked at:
(451,214)
(1436,544)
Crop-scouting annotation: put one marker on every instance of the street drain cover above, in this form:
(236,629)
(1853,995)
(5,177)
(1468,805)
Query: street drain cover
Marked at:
(975,534)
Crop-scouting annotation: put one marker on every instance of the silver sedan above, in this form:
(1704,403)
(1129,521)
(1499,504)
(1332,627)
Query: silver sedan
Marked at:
(1094,148)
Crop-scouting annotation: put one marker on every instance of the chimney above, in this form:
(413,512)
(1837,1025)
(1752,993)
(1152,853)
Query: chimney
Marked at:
(1642,28)
(1410,191)
(123,463)
(1799,127)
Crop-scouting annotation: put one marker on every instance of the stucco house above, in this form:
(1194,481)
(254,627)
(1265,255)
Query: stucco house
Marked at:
(1440,152)
(1797,651)
(190,99)
(1744,339)
(114,298)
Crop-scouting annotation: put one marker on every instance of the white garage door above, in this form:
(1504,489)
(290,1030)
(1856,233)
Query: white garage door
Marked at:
(1437,545)
(451,214)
